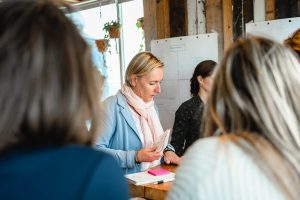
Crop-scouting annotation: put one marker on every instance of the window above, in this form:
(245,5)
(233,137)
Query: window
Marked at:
(112,64)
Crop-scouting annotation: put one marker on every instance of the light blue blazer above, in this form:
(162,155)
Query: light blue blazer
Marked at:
(118,133)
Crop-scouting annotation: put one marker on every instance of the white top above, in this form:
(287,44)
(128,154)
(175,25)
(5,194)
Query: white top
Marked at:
(215,169)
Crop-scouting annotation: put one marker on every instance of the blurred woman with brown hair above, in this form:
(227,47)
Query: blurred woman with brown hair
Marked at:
(47,89)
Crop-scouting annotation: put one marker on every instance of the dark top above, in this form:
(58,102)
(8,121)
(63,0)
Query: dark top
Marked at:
(72,172)
(187,124)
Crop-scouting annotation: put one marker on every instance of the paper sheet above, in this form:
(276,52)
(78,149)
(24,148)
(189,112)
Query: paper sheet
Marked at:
(162,141)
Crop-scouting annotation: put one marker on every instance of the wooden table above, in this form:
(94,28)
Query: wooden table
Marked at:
(153,191)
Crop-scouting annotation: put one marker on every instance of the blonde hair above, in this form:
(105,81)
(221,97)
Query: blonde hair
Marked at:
(140,65)
(256,97)
(294,41)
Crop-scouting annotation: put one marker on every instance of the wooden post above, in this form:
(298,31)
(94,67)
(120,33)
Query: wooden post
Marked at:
(227,23)
(156,19)
(178,18)
(214,22)
(162,19)
(286,9)
(150,22)
(196,17)
(270,9)
(243,13)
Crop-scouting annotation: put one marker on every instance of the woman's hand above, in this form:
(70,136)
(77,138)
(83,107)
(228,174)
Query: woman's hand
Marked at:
(147,155)
(171,158)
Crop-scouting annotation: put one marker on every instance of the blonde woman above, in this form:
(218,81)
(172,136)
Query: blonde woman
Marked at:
(130,123)
(253,114)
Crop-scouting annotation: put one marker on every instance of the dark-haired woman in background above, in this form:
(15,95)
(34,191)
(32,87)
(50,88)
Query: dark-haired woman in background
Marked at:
(188,116)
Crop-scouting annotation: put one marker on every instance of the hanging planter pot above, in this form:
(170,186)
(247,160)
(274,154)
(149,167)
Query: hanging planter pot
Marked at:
(114,32)
(102,45)
(112,29)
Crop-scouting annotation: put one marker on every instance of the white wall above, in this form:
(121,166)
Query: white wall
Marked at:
(278,30)
(180,56)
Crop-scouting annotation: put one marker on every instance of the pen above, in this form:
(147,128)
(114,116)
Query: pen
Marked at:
(163,181)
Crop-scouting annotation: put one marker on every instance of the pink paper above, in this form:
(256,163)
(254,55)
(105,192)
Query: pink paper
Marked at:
(158,172)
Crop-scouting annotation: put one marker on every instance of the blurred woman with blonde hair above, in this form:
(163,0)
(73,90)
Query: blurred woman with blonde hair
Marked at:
(253,116)
(294,42)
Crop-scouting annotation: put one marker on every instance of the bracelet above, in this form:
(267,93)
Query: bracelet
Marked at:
(169,148)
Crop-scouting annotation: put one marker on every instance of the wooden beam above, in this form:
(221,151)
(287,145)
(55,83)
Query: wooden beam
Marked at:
(178,18)
(270,9)
(157,21)
(227,23)
(162,19)
(238,18)
(248,11)
(150,26)
(214,21)
(286,9)
(243,13)
(196,17)
(298,7)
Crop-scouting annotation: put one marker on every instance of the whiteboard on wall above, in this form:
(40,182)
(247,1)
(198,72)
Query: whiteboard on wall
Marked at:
(278,30)
(180,56)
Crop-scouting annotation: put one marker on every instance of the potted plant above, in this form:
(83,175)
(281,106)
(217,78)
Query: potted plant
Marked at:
(112,29)
(140,23)
(102,45)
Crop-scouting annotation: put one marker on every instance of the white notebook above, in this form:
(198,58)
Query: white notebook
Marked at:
(142,178)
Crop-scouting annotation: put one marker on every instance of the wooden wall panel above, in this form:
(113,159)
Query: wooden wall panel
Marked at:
(196,17)
(214,21)
(157,20)
(178,18)
(286,8)
(237,14)
(242,14)
(162,19)
(168,18)
(227,23)
(270,9)
(248,11)
(298,7)
(150,22)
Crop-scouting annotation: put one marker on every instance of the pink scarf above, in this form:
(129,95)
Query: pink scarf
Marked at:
(149,121)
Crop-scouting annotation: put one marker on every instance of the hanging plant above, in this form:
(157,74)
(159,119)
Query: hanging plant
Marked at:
(102,45)
(112,29)
(140,23)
